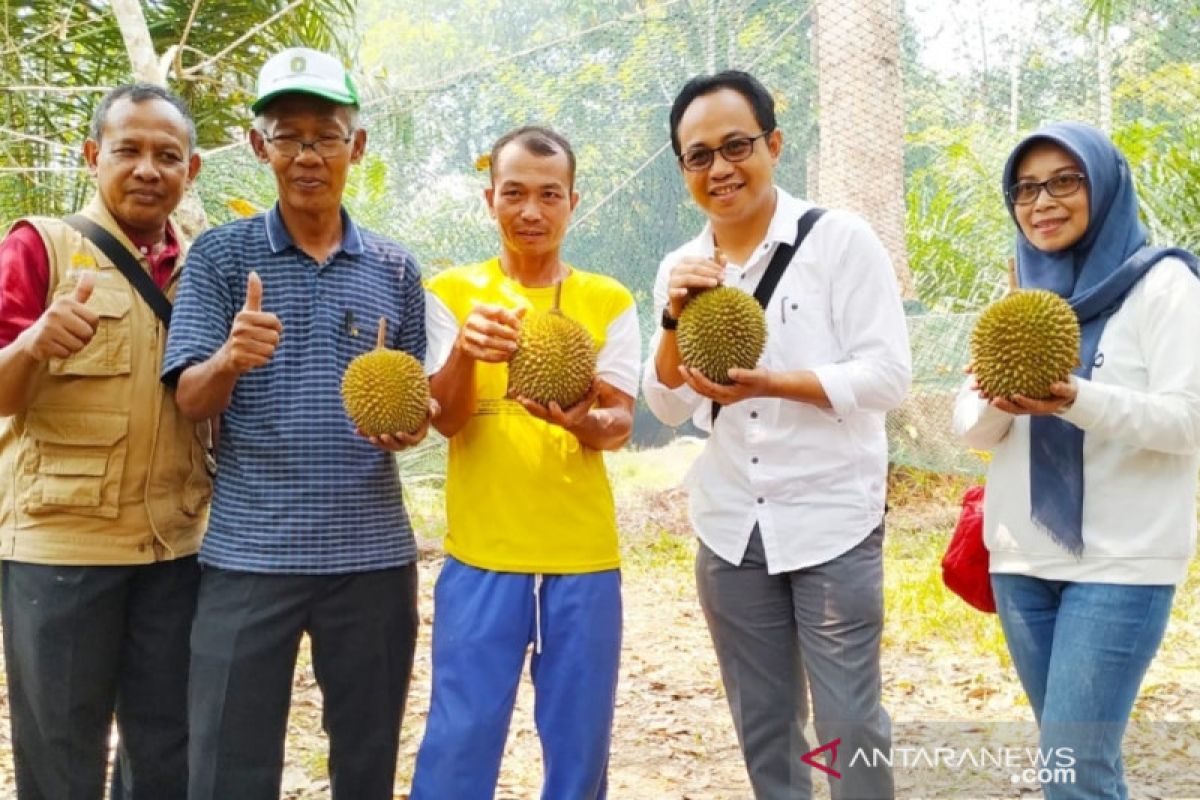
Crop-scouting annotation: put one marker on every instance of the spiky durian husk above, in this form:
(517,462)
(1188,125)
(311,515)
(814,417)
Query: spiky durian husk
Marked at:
(1024,342)
(720,329)
(555,360)
(386,391)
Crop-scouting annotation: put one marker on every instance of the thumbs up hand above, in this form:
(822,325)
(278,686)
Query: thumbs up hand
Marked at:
(253,293)
(255,333)
(66,326)
(83,289)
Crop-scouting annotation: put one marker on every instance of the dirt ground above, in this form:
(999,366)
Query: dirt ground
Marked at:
(673,739)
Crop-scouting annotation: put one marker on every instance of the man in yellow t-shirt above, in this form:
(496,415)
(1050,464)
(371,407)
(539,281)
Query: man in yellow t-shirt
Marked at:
(531,538)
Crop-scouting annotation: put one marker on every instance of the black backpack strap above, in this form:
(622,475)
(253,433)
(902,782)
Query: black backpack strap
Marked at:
(779,263)
(125,261)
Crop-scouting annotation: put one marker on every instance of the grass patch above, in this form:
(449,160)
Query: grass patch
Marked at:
(921,611)
(635,471)
(426,504)
(663,551)
(909,486)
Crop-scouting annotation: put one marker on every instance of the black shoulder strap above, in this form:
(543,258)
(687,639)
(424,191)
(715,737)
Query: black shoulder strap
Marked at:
(779,263)
(129,266)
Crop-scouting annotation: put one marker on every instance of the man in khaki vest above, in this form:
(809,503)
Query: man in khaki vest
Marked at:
(103,484)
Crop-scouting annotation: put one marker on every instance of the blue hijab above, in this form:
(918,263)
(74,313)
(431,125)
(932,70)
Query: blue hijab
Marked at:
(1094,275)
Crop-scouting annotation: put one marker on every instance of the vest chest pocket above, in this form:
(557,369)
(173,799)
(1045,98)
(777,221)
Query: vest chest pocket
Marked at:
(108,353)
(72,461)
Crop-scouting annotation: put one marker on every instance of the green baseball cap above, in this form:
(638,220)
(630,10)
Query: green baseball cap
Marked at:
(299,69)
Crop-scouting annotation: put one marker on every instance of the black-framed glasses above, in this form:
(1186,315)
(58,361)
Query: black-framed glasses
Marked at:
(1022,193)
(323,146)
(732,150)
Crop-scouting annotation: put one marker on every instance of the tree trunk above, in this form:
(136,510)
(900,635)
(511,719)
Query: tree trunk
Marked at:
(1104,78)
(1014,83)
(1024,22)
(148,68)
(860,163)
(142,58)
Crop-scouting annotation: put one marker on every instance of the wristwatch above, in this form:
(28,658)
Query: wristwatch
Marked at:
(669,323)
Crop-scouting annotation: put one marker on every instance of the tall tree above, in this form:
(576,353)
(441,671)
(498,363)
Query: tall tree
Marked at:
(860,105)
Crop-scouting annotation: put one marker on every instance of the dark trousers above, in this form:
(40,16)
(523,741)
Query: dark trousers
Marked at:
(362,628)
(83,643)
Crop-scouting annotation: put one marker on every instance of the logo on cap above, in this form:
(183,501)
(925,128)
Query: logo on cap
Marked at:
(298,64)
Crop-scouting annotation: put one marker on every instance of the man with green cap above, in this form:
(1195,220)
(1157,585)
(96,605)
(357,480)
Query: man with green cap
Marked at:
(308,532)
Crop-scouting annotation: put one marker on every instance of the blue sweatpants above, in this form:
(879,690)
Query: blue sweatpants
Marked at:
(483,624)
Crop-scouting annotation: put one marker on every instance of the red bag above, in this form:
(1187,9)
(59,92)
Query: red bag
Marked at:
(965,565)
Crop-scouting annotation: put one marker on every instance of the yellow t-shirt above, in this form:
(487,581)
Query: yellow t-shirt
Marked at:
(523,495)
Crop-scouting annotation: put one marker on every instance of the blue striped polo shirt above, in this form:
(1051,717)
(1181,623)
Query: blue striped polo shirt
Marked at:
(297,491)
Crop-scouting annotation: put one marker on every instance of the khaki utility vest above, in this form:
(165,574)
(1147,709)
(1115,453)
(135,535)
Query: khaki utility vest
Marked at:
(102,469)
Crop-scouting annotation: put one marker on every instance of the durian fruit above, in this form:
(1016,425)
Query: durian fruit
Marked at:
(555,360)
(719,329)
(385,391)
(1024,342)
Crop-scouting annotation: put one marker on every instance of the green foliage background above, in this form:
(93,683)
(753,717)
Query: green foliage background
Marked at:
(443,78)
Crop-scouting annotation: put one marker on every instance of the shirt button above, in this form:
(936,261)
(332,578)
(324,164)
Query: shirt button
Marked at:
(753,415)
(754,460)
(761,500)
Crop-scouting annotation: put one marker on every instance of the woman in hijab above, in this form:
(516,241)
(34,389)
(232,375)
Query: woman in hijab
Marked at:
(1090,510)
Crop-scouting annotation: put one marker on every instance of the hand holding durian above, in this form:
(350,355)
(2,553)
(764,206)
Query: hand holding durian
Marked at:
(490,333)
(386,395)
(719,327)
(1023,349)
(691,276)
(552,373)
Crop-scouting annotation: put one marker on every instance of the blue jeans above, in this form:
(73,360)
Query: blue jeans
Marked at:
(1081,651)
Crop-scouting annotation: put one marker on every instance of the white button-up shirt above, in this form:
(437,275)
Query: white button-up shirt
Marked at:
(813,479)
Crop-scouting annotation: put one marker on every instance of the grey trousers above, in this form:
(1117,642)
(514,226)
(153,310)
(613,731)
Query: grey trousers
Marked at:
(779,636)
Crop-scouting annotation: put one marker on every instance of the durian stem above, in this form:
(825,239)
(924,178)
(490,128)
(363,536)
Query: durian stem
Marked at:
(1012,275)
(381,336)
(557,294)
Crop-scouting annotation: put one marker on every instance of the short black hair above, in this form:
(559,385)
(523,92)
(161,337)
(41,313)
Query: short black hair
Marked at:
(536,139)
(140,93)
(743,83)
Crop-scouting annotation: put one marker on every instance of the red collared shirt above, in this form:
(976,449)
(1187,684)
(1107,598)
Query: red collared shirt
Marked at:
(25,276)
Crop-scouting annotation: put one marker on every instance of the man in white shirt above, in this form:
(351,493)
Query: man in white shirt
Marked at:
(787,497)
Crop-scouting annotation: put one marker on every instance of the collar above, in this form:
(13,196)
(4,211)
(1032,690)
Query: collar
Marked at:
(99,212)
(96,211)
(782,228)
(169,249)
(278,238)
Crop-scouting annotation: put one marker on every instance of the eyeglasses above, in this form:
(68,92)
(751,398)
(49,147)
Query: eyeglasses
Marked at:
(1023,193)
(324,146)
(734,150)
